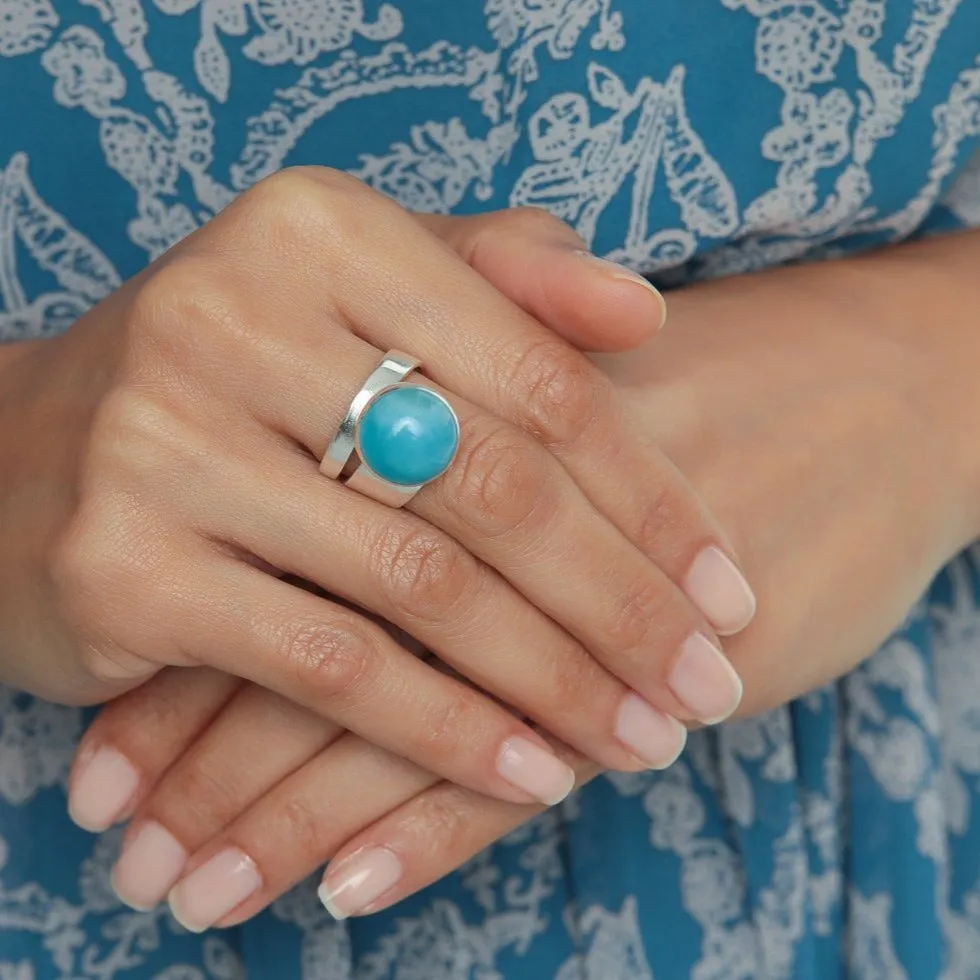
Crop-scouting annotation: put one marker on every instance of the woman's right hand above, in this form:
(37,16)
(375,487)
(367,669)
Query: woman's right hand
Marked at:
(160,471)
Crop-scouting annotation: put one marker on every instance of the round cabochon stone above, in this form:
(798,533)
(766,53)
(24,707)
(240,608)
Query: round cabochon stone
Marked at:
(408,435)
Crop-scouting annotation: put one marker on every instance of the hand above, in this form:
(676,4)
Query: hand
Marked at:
(243,793)
(165,471)
(814,416)
(828,415)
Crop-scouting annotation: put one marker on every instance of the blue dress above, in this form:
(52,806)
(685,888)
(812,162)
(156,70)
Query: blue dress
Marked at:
(837,836)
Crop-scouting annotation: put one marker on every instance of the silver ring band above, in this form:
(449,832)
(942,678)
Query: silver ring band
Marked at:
(345,455)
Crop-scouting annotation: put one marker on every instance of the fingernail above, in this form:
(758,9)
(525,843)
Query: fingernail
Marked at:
(216,888)
(704,680)
(535,770)
(148,867)
(654,737)
(101,790)
(621,272)
(719,590)
(358,882)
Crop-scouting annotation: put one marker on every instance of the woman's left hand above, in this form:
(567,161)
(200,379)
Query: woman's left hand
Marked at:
(829,416)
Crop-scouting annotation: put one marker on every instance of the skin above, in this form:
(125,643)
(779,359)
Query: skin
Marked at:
(828,415)
(161,480)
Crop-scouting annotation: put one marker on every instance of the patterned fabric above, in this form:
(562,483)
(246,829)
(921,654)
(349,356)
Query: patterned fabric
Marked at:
(838,836)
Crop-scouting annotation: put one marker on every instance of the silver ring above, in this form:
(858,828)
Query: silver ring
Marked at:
(411,434)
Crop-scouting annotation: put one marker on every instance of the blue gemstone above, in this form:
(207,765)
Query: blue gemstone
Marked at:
(408,435)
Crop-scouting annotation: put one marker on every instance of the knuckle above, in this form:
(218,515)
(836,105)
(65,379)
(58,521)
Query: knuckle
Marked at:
(492,232)
(155,707)
(110,582)
(75,554)
(498,481)
(333,660)
(307,183)
(107,664)
(577,681)
(534,222)
(140,454)
(135,433)
(446,723)
(97,663)
(93,559)
(632,623)
(423,573)
(207,788)
(562,393)
(664,518)
(303,826)
(309,206)
(286,192)
(182,298)
(445,819)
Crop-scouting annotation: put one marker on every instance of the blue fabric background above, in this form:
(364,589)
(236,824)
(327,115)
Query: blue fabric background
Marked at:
(838,836)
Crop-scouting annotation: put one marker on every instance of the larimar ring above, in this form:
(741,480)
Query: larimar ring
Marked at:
(396,436)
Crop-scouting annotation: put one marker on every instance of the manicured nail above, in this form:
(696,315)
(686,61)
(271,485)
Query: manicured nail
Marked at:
(102,788)
(655,738)
(535,770)
(216,888)
(357,883)
(148,867)
(616,271)
(719,590)
(704,681)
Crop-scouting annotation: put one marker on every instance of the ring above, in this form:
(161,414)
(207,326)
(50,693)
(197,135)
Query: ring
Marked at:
(396,436)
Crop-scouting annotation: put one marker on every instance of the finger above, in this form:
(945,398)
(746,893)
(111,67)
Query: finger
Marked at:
(509,503)
(257,741)
(291,831)
(348,669)
(409,572)
(542,265)
(136,737)
(616,613)
(475,342)
(628,727)
(385,840)
(423,840)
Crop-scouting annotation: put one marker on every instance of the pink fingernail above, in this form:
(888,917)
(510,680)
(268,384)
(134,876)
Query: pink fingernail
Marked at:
(720,591)
(148,867)
(216,888)
(535,770)
(616,271)
(102,788)
(654,737)
(359,881)
(704,680)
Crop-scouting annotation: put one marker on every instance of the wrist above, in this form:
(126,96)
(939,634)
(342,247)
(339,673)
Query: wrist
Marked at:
(902,325)
(923,301)
(31,480)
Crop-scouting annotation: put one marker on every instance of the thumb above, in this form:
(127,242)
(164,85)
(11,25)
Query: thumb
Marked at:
(542,265)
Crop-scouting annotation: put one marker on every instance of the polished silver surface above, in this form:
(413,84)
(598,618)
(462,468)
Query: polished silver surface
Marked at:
(395,367)
(366,481)
(393,371)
